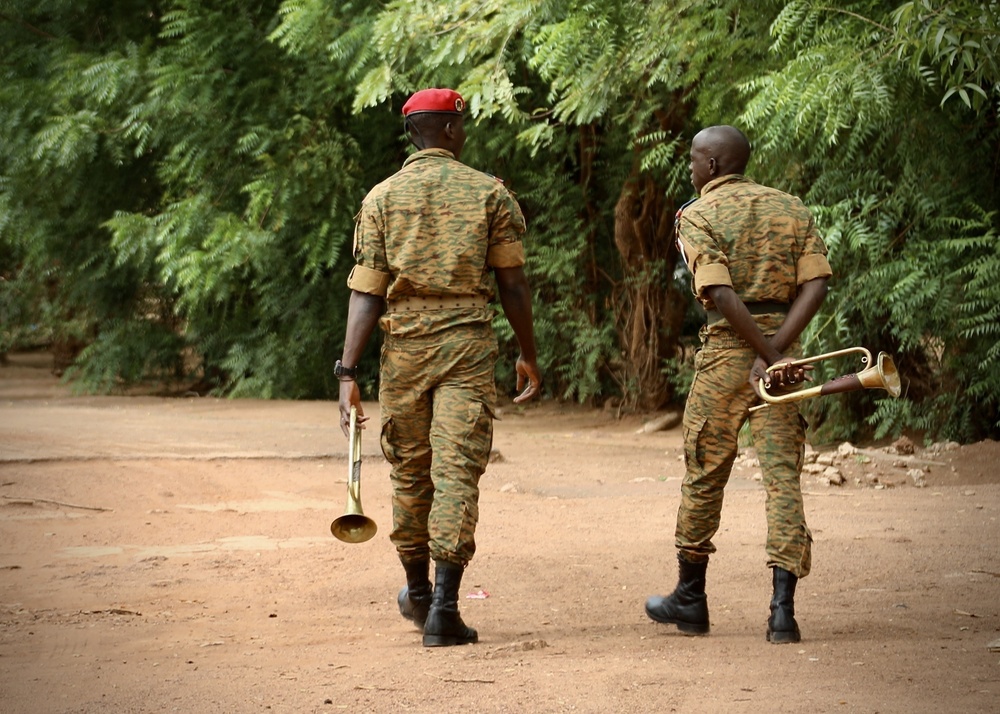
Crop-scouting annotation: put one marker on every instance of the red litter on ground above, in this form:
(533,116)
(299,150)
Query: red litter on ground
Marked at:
(478,595)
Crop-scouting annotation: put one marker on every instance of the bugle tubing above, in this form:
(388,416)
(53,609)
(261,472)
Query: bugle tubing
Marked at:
(881,375)
(354,526)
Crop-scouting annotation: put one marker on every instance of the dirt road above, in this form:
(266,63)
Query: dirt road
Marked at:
(174,555)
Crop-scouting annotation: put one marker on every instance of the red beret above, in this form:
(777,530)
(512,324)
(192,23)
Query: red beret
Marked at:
(434,100)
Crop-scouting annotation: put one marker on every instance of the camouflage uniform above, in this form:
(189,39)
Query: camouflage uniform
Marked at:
(763,244)
(426,239)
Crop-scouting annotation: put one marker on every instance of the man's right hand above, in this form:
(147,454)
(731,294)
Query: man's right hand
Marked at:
(350,396)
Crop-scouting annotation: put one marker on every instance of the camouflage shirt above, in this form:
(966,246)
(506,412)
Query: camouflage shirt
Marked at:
(758,240)
(435,229)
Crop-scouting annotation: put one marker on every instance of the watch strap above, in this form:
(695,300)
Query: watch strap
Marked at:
(342,372)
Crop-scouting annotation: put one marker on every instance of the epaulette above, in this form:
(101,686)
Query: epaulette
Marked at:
(502,183)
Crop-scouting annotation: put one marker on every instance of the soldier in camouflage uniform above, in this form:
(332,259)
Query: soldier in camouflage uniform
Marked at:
(760,270)
(426,242)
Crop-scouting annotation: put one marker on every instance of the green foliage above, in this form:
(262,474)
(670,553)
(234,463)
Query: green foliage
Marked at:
(127,352)
(681,374)
(954,46)
(198,167)
(902,201)
(575,349)
(178,180)
(67,76)
(587,86)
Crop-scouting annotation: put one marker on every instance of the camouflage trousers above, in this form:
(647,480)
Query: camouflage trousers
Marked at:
(437,400)
(717,407)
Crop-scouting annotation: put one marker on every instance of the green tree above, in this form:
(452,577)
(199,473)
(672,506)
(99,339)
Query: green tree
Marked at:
(178,180)
(259,173)
(69,71)
(182,189)
(597,95)
(863,120)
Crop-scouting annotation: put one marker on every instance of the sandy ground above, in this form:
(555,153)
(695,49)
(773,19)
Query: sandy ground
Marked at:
(174,555)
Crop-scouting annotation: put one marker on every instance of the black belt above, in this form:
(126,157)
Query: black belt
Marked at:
(755,308)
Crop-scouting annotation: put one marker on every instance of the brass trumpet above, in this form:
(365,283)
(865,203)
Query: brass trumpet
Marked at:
(881,375)
(354,526)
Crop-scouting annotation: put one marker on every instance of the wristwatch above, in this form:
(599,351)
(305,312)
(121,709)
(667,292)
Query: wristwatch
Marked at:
(342,372)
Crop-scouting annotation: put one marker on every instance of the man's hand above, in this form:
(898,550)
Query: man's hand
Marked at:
(515,299)
(527,371)
(350,396)
(781,374)
(363,313)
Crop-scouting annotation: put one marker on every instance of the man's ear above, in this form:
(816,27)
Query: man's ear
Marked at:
(713,165)
(449,130)
(411,133)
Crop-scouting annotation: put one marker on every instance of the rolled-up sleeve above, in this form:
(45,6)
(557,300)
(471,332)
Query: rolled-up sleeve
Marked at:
(813,262)
(710,274)
(505,255)
(812,266)
(505,249)
(371,271)
(366,280)
(708,264)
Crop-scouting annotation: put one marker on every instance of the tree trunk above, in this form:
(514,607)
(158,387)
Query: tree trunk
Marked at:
(652,309)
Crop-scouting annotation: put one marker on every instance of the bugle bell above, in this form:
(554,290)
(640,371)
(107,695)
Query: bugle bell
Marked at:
(881,375)
(354,526)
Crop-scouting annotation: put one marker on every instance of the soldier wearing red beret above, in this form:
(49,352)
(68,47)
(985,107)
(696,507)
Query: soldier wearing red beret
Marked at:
(432,244)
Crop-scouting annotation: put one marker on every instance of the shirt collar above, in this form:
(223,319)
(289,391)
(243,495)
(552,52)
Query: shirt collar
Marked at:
(715,183)
(429,154)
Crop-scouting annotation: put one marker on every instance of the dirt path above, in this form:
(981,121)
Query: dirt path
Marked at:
(162,555)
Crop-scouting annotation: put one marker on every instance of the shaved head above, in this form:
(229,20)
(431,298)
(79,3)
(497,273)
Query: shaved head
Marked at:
(730,147)
(718,151)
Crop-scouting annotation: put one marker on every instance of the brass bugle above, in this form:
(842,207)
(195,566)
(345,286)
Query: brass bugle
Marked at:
(354,526)
(881,375)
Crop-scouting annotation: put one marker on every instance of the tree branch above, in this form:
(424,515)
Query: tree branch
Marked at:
(29,27)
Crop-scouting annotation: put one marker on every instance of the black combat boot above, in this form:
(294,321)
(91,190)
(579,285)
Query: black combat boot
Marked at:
(444,626)
(415,597)
(686,606)
(781,626)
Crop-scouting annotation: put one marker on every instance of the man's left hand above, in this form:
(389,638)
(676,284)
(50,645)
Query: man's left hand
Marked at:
(527,371)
